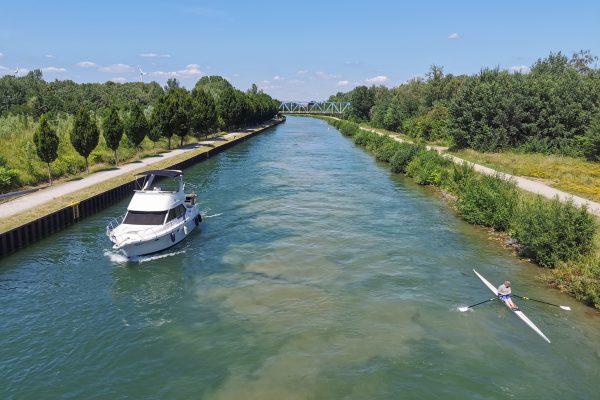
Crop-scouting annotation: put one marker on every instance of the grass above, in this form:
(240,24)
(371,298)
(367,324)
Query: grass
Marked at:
(27,216)
(569,174)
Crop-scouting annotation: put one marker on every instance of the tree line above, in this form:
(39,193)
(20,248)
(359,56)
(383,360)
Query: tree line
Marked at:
(131,111)
(552,108)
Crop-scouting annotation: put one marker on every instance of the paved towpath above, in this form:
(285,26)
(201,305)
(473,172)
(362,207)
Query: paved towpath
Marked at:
(523,183)
(50,193)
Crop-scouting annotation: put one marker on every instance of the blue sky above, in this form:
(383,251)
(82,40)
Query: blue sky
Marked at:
(293,50)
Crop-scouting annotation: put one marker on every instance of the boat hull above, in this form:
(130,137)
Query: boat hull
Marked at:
(161,241)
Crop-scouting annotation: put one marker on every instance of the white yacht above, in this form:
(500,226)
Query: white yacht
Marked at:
(159,215)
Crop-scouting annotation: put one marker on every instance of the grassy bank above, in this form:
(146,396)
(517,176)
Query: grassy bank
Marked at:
(570,174)
(558,236)
(20,167)
(14,221)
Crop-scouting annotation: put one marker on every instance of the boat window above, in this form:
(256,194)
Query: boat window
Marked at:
(145,217)
(171,214)
(182,210)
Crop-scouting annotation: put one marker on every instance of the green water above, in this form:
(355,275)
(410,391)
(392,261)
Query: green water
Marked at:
(317,274)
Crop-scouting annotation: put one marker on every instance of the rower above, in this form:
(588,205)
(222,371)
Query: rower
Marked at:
(504,292)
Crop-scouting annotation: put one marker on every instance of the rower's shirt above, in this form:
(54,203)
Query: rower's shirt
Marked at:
(503,290)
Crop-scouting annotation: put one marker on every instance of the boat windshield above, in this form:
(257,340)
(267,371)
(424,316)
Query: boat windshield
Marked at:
(145,217)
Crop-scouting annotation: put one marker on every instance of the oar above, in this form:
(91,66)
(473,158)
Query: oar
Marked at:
(463,309)
(544,302)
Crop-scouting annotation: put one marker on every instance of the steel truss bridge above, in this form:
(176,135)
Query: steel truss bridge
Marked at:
(314,107)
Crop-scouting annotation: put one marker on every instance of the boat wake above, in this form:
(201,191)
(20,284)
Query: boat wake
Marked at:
(118,258)
(214,215)
(143,259)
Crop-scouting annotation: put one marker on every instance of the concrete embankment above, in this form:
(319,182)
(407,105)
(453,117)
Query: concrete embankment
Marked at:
(34,216)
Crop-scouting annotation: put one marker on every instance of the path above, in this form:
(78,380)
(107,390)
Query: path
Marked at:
(50,193)
(523,183)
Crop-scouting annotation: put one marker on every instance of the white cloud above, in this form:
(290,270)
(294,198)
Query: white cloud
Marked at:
(116,68)
(454,36)
(303,72)
(377,79)
(1,54)
(49,55)
(119,79)
(87,64)
(278,78)
(296,82)
(519,69)
(343,83)
(189,71)
(3,68)
(154,55)
(265,82)
(325,76)
(54,70)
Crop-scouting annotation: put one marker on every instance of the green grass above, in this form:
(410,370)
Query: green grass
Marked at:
(572,175)
(18,153)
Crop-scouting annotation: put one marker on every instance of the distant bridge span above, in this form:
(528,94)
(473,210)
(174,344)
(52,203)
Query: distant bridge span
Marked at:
(314,107)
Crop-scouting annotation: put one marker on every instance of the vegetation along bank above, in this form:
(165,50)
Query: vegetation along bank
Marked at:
(59,129)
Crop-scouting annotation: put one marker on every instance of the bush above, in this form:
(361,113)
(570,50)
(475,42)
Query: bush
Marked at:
(8,178)
(404,155)
(581,279)
(387,151)
(552,231)
(428,168)
(486,200)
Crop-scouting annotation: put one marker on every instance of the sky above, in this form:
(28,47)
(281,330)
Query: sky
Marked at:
(293,50)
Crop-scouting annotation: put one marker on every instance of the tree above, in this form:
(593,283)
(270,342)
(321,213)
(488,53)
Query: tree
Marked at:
(46,143)
(172,114)
(229,108)
(136,126)
(84,134)
(112,128)
(204,111)
(362,100)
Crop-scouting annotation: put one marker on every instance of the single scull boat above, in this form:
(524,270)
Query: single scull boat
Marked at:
(518,312)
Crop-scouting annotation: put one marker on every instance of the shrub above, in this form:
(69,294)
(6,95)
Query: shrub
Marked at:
(375,142)
(387,151)
(486,200)
(428,168)
(8,178)
(404,155)
(552,231)
(581,279)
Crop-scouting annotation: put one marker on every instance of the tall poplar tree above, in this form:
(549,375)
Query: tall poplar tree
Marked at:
(46,143)
(204,111)
(136,126)
(84,134)
(112,128)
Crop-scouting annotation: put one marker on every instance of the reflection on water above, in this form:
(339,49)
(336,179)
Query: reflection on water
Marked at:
(316,274)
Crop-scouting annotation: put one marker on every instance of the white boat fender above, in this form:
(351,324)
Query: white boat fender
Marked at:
(185,229)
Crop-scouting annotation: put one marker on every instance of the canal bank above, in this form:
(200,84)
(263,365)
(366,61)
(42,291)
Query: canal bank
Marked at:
(30,218)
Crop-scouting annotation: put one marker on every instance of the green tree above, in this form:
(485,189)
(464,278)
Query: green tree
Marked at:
(172,114)
(204,111)
(46,143)
(362,100)
(229,108)
(84,134)
(112,128)
(136,126)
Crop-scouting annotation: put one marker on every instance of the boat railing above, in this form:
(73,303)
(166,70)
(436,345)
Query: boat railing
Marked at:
(113,223)
(150,233)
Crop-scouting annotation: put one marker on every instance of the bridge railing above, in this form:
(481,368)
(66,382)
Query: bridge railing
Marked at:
(314,107)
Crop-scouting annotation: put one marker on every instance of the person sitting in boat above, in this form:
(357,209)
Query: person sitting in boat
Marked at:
(504,292)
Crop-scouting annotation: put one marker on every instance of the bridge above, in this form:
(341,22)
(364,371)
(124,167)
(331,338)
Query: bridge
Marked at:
(314,107)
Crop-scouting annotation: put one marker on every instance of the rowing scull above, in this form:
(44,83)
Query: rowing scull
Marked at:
(518,312)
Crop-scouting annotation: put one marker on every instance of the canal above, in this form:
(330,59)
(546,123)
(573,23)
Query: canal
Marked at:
(317,273)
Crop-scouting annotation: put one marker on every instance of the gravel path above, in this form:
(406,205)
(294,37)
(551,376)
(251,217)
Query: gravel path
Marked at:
(47,194)
(523,183)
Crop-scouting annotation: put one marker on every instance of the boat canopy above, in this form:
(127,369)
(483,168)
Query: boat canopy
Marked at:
(171,173)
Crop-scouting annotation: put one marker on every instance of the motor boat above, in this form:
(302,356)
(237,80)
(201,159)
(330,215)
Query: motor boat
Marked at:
(159,216)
